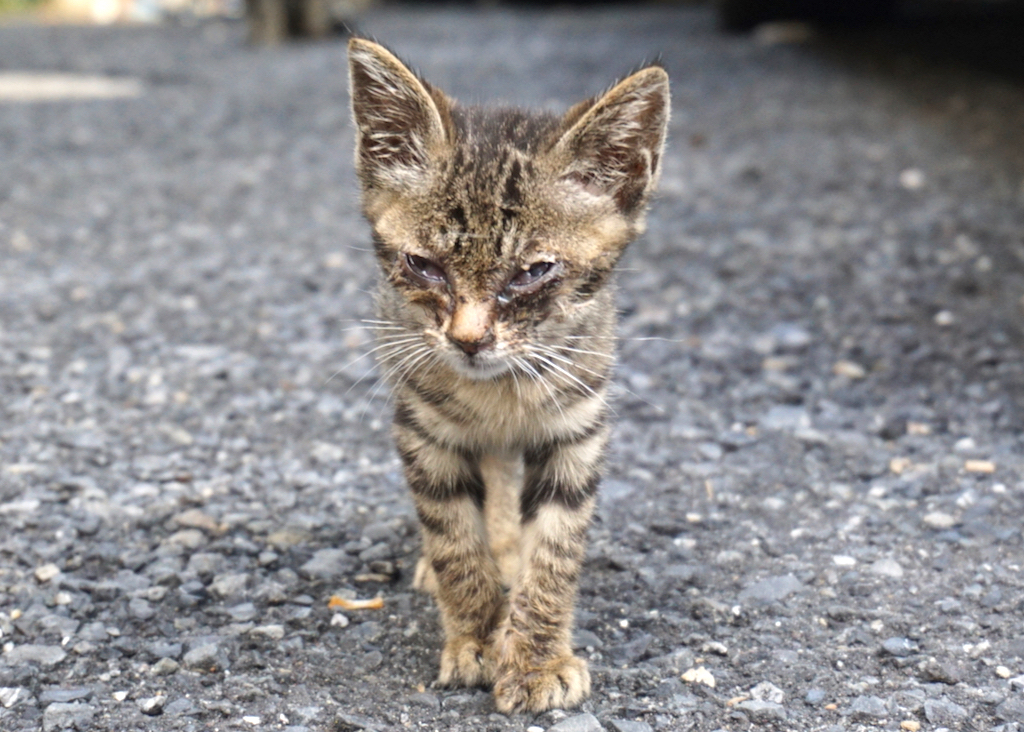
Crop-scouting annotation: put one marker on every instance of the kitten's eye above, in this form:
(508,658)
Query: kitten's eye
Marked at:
(532,275)
(426,270)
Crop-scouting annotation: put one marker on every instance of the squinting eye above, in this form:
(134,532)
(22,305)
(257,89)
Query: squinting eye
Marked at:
(529,276)
(425,269)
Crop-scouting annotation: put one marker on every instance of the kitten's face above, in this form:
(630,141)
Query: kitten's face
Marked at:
(496,232)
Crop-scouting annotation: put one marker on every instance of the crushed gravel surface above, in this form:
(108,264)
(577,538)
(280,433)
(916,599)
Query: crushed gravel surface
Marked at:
(812,515)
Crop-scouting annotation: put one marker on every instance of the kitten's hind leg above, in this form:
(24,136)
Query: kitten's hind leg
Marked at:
(424,578)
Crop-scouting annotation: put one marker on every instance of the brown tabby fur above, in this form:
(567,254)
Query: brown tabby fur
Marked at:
(497,233)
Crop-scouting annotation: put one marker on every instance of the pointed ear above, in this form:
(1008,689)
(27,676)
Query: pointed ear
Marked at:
(612,146)
(399,118)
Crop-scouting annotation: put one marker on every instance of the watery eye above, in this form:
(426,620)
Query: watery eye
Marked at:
(533,274)
(425,269)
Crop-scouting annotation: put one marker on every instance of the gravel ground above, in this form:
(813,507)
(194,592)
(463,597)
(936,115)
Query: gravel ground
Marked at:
(812,518)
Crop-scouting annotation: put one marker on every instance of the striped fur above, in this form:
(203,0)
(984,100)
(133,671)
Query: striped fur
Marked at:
(497,233)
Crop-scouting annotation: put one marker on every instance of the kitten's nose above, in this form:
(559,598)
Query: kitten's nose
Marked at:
(473,346)
(470,328)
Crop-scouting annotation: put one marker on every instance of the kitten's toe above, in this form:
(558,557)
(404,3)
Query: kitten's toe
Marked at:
(464,662)
(560,683)
(425,579)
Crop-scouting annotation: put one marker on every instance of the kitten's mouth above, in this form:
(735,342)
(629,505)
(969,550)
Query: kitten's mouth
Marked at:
(480,366)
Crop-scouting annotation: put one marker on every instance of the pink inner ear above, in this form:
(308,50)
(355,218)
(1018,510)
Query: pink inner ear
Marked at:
(587,181)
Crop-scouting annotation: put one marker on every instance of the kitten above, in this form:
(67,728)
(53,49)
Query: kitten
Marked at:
(497,233)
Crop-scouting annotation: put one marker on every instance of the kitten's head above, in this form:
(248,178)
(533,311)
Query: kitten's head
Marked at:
(497,230)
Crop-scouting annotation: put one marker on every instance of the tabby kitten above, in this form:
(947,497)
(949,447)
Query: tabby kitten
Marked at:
(497,233)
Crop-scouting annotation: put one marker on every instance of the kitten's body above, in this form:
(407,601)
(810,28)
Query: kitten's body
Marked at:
(497,233)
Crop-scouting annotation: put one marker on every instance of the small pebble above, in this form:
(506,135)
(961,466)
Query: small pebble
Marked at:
(849,369)
(46,572)
(699,675)
(886,568)
(164,667)
(152,706)
(939,520)
(912,179)
(274,631)
(980,466)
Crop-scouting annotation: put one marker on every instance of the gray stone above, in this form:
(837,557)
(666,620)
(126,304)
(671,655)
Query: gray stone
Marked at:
(45,656)
(205,564)
(242,613)
(867,709)
(762,712)
(59,716)
(203,658)
(140,609)
(667,688)
(328,564)
(229,586)
(583,638)
(629,652)
(899,647)
(273,631)
(359,722)
(1011,710)
(628,725)
(64,695)
(785,419)
(814,697)
(767,691)
(425,699)
(945,672)
(368,632)
(578,723)
(944,713)
(771,589)
(180,707)
(165,650)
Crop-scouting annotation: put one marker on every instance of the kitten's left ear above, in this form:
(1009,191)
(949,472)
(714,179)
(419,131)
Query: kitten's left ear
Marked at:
(612,146)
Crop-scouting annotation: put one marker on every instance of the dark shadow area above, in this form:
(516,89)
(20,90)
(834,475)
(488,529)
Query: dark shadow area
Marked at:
(959,65)
(980,35)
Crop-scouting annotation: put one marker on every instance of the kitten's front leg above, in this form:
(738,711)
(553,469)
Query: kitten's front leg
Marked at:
(449,494)
(535,666)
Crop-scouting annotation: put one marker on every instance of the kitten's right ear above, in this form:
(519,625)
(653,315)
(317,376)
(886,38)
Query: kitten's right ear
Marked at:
(399,119)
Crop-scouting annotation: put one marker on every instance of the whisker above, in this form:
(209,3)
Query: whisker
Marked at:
(359,358)
(411,354)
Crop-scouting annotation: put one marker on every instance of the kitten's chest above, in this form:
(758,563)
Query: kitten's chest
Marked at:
(504,414)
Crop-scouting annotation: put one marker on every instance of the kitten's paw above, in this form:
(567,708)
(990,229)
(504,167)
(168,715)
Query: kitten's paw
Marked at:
(464,662)
(560,683)
(424,578)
